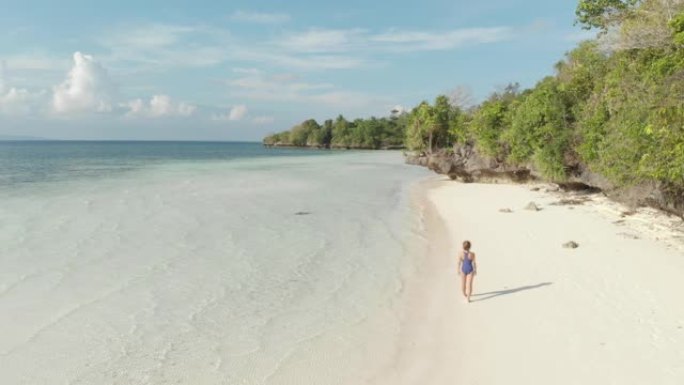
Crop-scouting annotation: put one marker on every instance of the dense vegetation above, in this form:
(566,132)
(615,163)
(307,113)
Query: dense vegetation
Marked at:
(370,133)
(615,106)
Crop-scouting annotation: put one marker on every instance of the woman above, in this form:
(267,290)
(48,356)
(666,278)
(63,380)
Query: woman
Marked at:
(468,270)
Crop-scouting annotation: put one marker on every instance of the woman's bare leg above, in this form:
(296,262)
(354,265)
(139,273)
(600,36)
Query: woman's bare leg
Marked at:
(463,285)
(469,283)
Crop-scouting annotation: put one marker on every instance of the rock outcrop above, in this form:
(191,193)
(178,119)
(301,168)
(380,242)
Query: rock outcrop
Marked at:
(466,164)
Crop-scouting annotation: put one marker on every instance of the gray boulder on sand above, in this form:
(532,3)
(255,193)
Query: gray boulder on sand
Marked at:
(571,245)
(532,206)
(506,210)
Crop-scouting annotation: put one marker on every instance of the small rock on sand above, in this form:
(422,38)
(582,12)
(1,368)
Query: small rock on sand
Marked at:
(532,207)
(506,210)
(571,245)
(628,235)
(570,202)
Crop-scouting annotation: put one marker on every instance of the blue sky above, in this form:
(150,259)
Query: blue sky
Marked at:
(237,70)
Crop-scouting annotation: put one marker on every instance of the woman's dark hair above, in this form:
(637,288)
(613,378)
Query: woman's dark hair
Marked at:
(466,245)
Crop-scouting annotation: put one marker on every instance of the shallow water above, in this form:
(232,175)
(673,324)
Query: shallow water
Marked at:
(154,263)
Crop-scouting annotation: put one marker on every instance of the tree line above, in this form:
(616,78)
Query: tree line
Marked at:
(372,133)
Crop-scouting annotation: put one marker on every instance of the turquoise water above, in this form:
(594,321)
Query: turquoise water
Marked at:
(191,263)
(44,161)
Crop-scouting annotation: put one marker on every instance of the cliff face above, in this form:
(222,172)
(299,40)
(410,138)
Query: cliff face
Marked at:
(466,164)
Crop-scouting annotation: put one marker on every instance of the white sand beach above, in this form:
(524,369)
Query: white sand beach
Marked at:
(607,312)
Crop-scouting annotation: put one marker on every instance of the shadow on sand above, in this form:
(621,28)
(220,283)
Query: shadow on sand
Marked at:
(494,294)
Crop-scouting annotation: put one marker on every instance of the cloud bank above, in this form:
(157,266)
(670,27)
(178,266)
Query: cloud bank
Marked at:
(236,113)
(87,88)
(159,106)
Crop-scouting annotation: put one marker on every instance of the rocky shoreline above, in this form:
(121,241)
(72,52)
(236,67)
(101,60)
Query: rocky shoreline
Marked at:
(332,147)
(466,164)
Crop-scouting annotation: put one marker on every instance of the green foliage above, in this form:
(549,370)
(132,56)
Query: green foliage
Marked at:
(539,130)
(667,163)
(491,119)
(632,129)
(592,129)
(370,133)
(459,121)
(602,13)
(580,70)
(341,133)
(306,133)
(435,126)
(441,115)
(677,26)
(417,132)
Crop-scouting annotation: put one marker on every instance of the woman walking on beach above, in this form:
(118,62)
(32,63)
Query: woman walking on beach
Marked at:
(468,268)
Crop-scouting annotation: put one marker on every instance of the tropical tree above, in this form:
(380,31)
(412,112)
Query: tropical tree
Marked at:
(492,118)
(421,127)
(539,130)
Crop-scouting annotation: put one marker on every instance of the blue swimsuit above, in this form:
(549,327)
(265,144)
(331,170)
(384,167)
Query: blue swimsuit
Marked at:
(467,265)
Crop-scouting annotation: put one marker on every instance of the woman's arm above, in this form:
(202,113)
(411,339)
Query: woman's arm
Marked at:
(460,261)
(474,264)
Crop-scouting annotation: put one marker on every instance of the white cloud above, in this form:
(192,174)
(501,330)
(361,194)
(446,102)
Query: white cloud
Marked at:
(323,40)
(288,88)
(14,101)
(249,71)
(3,76)
(162,47)
(156,47)
(346,99)
(36,61)
(158,106)
(149,36)
(397,41)
(274,87)
(308,62)
(260,17)
(87,88)
(236,113)
(403,41)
